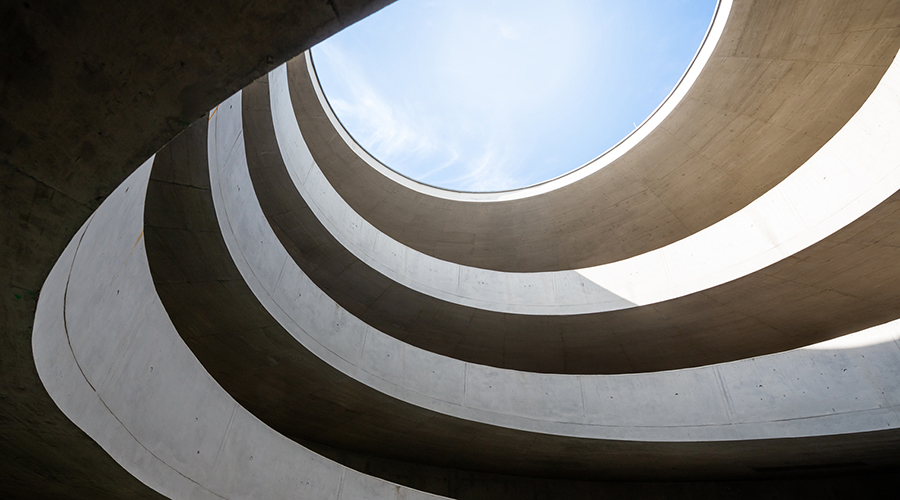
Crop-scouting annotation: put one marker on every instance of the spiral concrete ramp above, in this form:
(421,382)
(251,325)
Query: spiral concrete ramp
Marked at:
(262,310)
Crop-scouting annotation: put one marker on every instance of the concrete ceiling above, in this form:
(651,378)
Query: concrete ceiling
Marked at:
(90,91)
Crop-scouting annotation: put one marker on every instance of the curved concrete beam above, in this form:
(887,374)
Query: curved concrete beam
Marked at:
(758,110)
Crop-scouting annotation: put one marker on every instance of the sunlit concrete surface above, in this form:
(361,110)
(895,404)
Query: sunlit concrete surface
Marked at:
(269,371)
(850,175)
(705,404)
(115,365)
(831,190)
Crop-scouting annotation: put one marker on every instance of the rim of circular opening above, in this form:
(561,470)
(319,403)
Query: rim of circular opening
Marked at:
(698,62)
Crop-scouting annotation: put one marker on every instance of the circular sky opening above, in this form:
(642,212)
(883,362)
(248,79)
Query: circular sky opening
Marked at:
(493,95)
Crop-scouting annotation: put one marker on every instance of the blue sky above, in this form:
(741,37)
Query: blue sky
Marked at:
(492,95)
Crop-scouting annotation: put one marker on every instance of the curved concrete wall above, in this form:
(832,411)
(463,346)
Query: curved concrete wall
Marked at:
(704,404)
(275,377)
(848,176)
(781,81)
(80,366)
(90,91)
(411,295)
(213,322)
(115,365)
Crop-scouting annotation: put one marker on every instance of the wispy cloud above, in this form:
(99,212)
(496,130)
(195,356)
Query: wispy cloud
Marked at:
(426,148)
(375,123)
(508,32)
(484,96)
(488,171)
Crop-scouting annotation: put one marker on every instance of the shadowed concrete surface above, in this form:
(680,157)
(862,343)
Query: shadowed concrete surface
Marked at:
(113,362)
(311,380)
(288,387)
(842,480)
(88,91)
(767,311)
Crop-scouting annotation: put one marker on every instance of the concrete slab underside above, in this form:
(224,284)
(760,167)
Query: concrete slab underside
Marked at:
(88,93)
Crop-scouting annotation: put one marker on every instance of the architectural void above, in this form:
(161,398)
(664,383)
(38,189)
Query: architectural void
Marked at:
(261,309)
(490,96)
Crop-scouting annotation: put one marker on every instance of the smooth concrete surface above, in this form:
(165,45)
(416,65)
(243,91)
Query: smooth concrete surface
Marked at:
(710,403)
(415,298)
(281,382)
(89,91)
(843,481)
(113,362)
(782,80)
(136,75)
(851,174)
